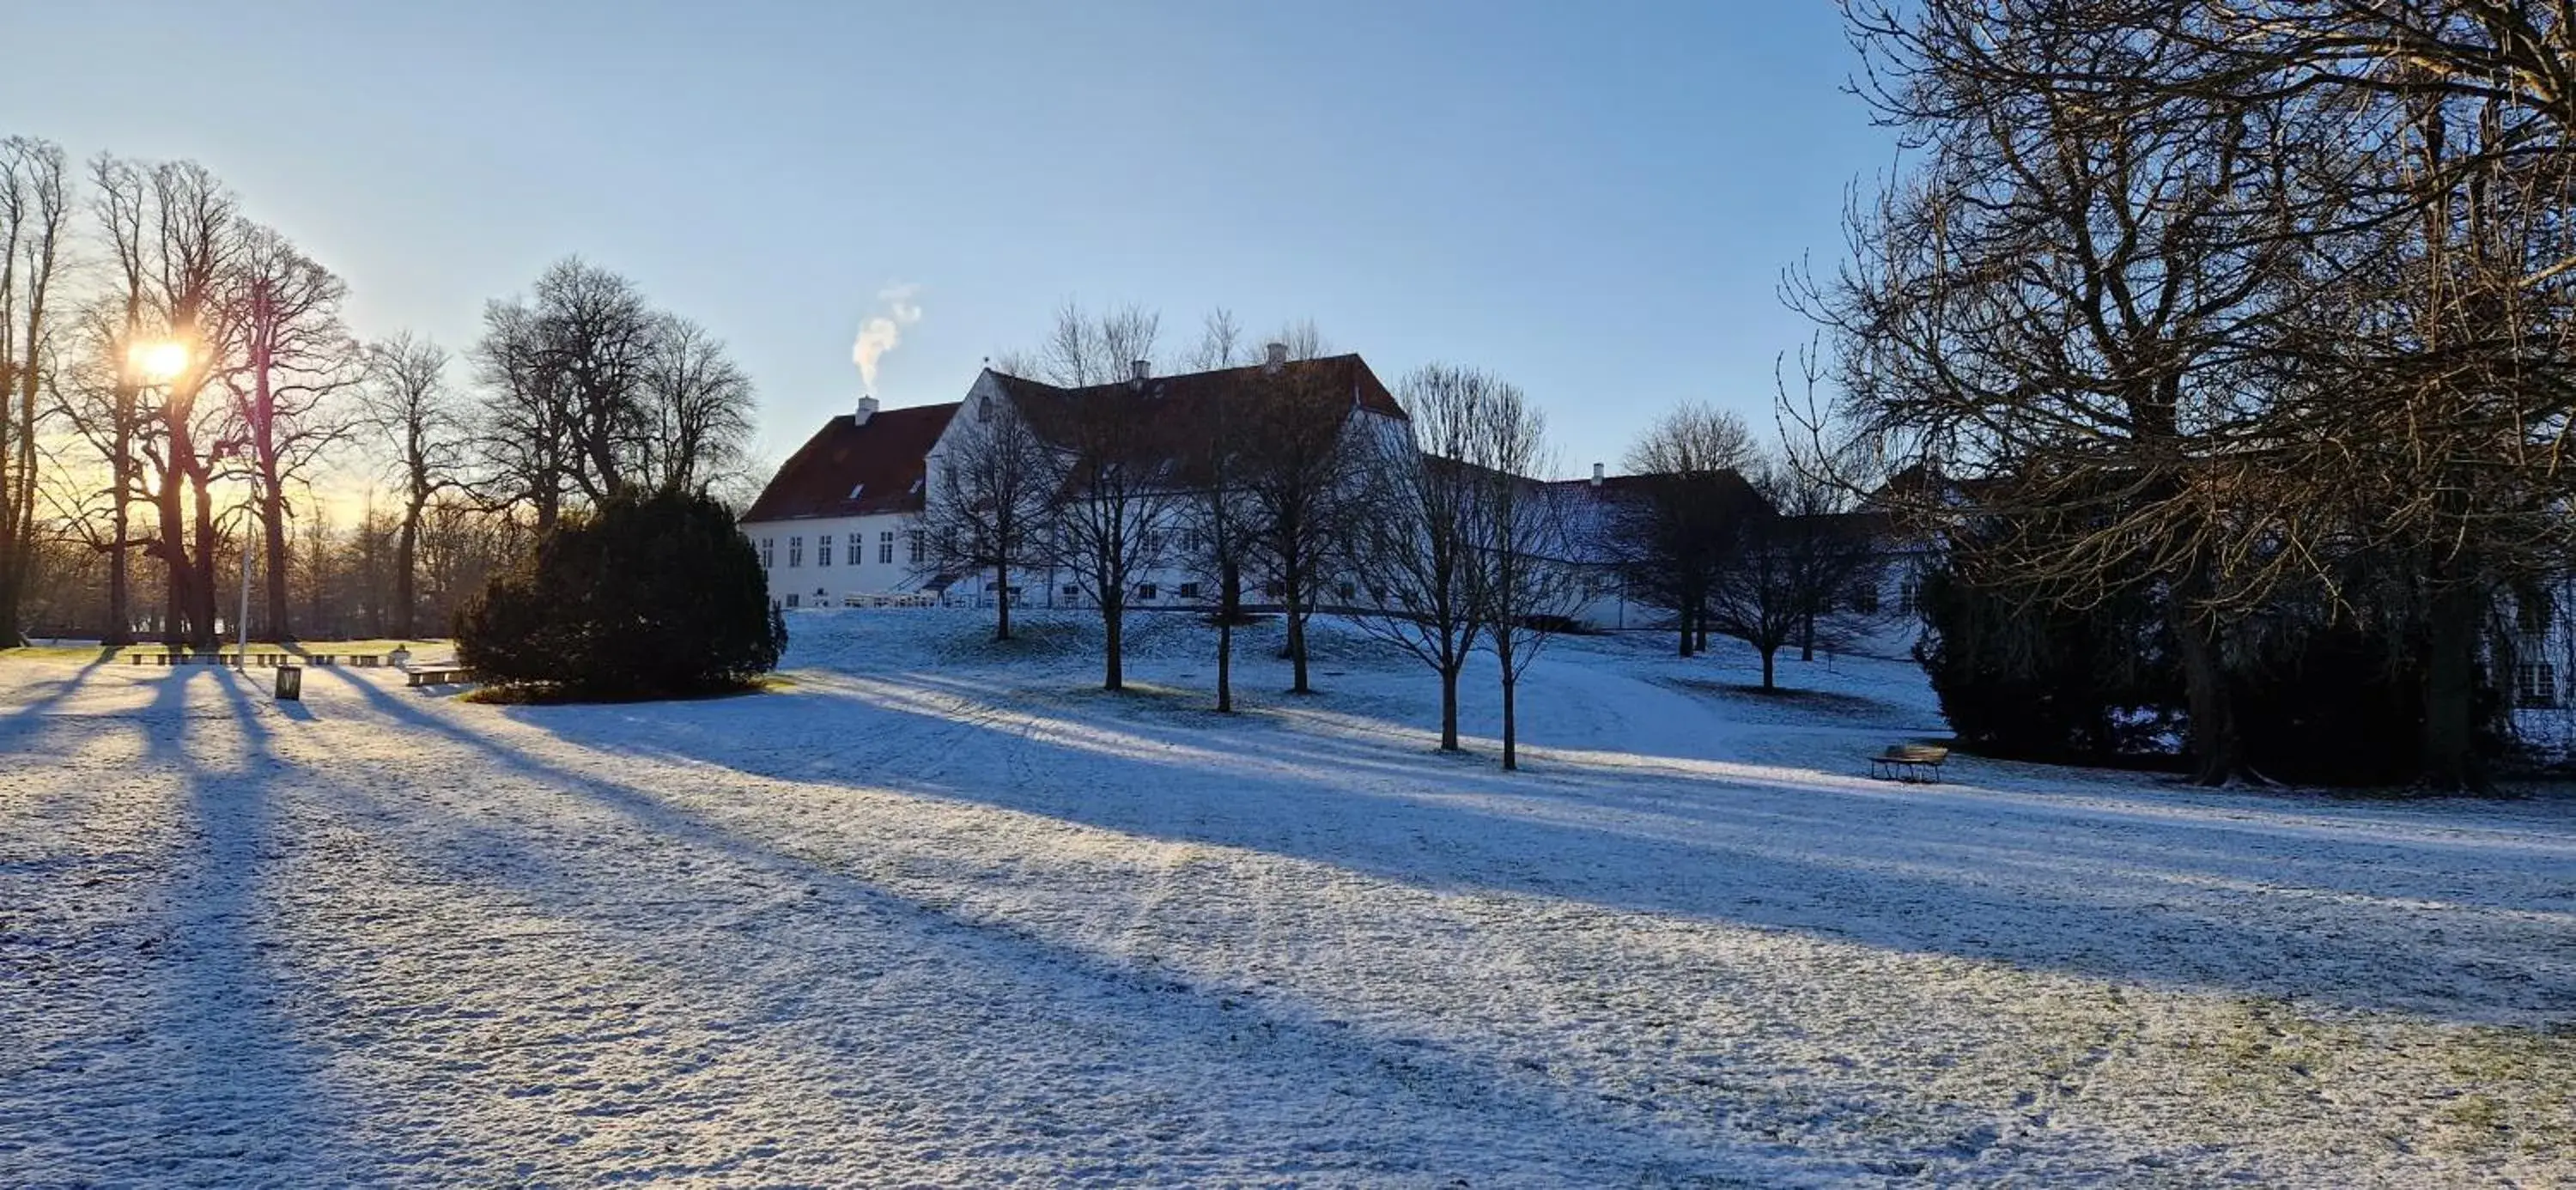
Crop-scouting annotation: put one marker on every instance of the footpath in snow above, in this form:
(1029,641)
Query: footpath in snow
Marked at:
(938,913)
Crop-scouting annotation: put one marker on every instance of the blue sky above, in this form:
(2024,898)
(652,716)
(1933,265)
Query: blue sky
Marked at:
(1592,200)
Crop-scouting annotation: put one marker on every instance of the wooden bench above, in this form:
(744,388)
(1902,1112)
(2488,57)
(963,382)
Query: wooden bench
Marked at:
(438,677)
(1911,763)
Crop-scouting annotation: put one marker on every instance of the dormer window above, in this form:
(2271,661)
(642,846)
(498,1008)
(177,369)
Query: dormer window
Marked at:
(854,491)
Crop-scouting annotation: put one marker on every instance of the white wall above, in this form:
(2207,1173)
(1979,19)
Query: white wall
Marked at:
(797,570)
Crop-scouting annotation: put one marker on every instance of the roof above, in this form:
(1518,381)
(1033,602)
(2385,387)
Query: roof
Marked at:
(1188,394)
(1184,407)
(853,469)
(1738,490)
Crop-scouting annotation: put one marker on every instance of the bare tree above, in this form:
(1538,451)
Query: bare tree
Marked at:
(564,374)
(1305,475)
(1791,570)
(409,404)
(2074,303)
(35,213)
(173,234)
(1419,549)
(1671,531)
(697,409)
(987,507)
(1120,496)
(295,359)
(1213,523)
(1527,583)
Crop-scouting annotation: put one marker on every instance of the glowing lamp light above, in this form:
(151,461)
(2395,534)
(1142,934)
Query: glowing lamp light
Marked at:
(158,362)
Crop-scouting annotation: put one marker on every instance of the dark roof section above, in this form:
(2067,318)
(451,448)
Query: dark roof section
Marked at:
(848,469)
(1187,393)
(1613,488)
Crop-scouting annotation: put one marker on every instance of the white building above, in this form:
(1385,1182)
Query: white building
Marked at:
(1183,406)
(837,523)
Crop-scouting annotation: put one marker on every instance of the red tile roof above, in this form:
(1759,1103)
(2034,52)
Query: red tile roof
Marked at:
(848,469)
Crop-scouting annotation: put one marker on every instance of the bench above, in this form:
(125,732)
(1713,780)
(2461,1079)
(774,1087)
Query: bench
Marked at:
(438,677)
(1911,763)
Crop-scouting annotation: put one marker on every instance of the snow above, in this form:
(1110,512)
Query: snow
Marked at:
(938,914)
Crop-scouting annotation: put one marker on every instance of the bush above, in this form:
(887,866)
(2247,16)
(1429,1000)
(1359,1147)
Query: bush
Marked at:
(2019,678)
(652,595)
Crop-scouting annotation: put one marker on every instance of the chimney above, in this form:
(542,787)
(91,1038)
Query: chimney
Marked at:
(1140,369)
(867,409)
(1278,357)
(1596,475)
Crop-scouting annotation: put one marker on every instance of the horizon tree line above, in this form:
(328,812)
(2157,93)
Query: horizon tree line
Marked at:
(175,377)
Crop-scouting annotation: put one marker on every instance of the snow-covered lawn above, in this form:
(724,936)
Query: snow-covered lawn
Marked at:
(938,914)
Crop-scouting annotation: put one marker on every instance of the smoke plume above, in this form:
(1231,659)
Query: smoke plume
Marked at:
(882,333)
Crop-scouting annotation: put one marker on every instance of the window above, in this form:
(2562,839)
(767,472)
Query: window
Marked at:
(2535,684)
(1072,590)
(1864,599)
(914,547)
(983,409)
(795,552)
(1189,590)
(885,546)
(791,597)
(768,553)
(1144,590)
(1346,591)
(823,550)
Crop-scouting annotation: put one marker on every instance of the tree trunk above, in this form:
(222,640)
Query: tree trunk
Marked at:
(1807,637)
(1449,710)
(1224,666)
(120,617)
(1112,616)
(2215,751)
(274,524)
(1297,641)
(1769,654)
(1229,607)
(2451,763)
(273,521)
(1511,722)
(203,580)
(406,587)
(1683,618)
(173,549)
(1002,601)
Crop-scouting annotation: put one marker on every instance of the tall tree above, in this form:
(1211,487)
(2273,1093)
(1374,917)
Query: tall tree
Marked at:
(1670,532)
(35,213)
(986,509)
(295,361)
(411,409)
(1526,580)
(1118,503)
(2068,305)
(1791,568)
(698,407)
(1214,522)
(1419,548)
(1306,477)
(173,234)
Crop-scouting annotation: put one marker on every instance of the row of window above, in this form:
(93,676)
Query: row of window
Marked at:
(823,549)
